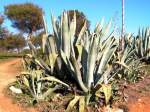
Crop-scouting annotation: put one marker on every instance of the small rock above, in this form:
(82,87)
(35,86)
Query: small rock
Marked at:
(118,110)
(139,100)
(108,109)
(15,90)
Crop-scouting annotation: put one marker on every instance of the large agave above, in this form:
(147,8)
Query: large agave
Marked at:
(91,58)
(87,57)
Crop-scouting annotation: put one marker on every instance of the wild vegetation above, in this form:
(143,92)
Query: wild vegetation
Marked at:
(88,67)
(85,67)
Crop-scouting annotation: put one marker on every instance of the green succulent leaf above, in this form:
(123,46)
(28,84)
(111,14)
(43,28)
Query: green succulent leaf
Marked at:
(107,89)
(44,40)
(52,59)
(72,103)
(78,74)
(65,35)
(82,104)
(53,79)
(81,33)
(91,62)
(25,81)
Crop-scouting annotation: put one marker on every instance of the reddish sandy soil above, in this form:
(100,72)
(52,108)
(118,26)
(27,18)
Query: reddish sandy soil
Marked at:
(138,96)
(8,71)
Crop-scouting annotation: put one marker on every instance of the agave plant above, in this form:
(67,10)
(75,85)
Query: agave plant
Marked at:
(140,43)
(92,60)
(36,81)
(87,57)
(90,57)
(130,64)
(143,43)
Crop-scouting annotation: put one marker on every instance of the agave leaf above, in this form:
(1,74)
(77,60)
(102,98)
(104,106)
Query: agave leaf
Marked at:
(72,103)
(81,104)
(126,57)
(52,44)
(66,60)
(50,91)
(78,74)
(107,89)
(123,64)
(79,48)
(142,48)
(28,55)
(107,28)
(45,25)
(104,77)
(87,41)
(61,34)
(57,30)
(44,40)
(99,26)
(24,64)
(104,44)
(38,72)
(52,59)
(32,48)
(73,27)
(53,21)
(98,91)
(81,33)
(126,54)
(53,79)
(42,64)
(72,33)
(91,63)
(25,81)
(107,54)
(53,52)
(39,84)
(63,55)
(84,59)
(107,73)
(33,76)
(65,35)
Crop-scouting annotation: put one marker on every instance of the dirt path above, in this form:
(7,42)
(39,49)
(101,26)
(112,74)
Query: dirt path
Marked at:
(8,71)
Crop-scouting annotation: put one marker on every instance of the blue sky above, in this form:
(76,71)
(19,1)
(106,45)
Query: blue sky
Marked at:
(137,12)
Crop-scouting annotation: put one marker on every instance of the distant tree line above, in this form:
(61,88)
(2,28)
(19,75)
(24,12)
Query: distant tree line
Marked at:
(13,42)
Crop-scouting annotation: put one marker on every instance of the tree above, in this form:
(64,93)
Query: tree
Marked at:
(37,40)
(1,19)
(25,17)
(81,19)
(19,42)
(13,41)
(3,31)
